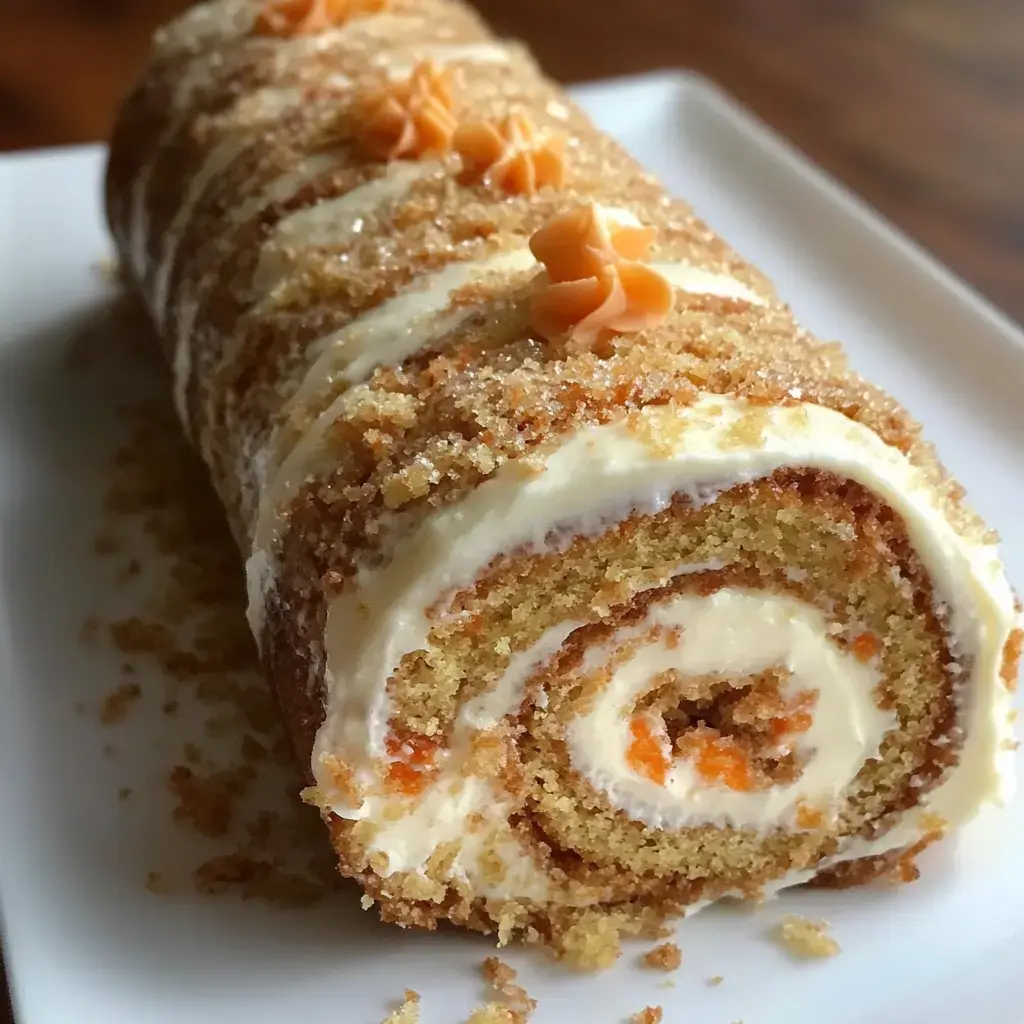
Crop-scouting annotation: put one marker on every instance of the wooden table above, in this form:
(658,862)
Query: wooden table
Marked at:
(918,105)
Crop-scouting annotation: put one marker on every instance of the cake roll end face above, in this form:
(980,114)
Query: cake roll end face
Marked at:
(748,687)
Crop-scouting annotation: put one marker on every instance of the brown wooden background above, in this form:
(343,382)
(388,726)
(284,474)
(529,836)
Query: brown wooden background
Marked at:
(918,105)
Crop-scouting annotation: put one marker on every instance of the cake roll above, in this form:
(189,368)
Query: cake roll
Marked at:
(592,588)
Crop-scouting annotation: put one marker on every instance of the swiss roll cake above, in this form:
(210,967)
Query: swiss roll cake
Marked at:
(591,587)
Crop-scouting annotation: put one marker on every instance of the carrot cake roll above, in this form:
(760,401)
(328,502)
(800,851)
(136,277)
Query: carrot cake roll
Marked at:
(592,588)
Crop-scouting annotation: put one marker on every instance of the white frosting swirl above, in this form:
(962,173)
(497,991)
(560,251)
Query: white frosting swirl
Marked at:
(735,633)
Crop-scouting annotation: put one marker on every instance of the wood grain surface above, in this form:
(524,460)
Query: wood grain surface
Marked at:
(918,105)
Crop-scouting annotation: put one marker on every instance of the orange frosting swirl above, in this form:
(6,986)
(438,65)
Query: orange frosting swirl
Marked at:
(408,119)
(287,18)
(596,284)
(510,154)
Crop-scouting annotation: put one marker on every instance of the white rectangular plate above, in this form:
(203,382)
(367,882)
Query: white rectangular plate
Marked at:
(85,941)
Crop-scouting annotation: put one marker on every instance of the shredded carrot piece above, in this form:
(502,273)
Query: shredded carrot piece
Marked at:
(866,646)
(787,725)
(413,766)
(645,754)
(1011,659)
(798,717)
(720,759)
(413,749)
(808,817)
(406,779)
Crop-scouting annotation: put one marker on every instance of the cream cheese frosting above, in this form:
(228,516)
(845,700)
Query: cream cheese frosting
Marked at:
(190,295)
(334,222)
(263,106)
(381,618)
(205,26)
(735,633)
(384,336)
(331,222)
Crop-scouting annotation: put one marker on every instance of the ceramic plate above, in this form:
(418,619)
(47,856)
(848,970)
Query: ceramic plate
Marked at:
(86,941)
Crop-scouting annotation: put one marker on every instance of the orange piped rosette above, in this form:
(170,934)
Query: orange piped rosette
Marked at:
(511,155)
(287,18)
(596,283)
(409,119)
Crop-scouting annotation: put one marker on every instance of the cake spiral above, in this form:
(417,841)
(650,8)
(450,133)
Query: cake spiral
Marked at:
(591,587)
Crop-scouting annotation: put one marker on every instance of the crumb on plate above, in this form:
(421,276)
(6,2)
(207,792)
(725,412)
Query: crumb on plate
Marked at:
(806,939)
(116,704)
(501,977)
(408,1012)
(648,1015)
(495,1013)
(666,957)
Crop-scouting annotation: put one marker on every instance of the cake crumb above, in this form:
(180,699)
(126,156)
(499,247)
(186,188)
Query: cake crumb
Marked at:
(207,802)
(157,883)
(716,980)
(806,939)
(495,1013)
(189,624)
(592,944)
(116,703)
(256,878)
(135,635)
(501,977)
(648,1015)
(666,957)
(366,901)
(408,1012)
